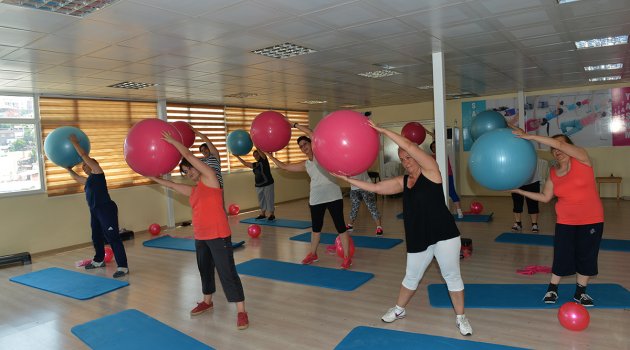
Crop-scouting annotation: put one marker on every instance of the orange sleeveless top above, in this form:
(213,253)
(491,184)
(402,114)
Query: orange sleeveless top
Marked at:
(578,200)
(208,216)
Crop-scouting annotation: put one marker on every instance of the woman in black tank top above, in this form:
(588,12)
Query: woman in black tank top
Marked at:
(430,228)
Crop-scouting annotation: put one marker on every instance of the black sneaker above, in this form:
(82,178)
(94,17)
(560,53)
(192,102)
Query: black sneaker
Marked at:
(516,227)
(551,297)
(120,272)
(260,217)
(94,265)
(271,217)
(585,300)
(535,228)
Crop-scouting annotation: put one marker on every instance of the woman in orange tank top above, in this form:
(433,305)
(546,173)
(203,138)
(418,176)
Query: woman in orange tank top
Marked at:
(213,243)
(579,211)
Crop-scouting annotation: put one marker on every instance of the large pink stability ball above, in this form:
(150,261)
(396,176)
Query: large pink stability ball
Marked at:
(573,316)
(415,132)
(270,131)
(339,247)
(188,135)
(344,143)
(146,152)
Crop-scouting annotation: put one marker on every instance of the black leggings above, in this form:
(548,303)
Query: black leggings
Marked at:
(336,211)
(218,253)
(532,205)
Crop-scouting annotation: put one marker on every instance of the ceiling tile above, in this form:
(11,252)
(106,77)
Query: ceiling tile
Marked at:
(248,14)
(348,15)
(33,20)
(502,6)
(17,37)
(41,56)
(64,45)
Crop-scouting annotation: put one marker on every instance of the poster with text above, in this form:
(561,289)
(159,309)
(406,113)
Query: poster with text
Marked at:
(507,107)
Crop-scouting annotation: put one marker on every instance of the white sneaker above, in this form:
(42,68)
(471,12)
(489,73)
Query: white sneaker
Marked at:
(463,325)
(393,314)
(460,216)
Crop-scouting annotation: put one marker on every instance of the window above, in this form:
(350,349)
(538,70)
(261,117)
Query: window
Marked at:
(106,123)
(241,118)
(209,120)
(20,168)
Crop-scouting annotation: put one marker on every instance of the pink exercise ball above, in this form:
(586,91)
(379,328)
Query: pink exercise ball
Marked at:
(339,247)
(188,135)
(270,131)
(415,132)
(145,151)
(573,316)
(109,254)
(344,143)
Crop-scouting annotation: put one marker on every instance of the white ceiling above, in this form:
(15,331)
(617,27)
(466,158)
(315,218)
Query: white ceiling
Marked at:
(200,50)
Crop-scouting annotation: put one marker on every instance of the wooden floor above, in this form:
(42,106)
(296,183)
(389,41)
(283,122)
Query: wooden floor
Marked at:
(165,285)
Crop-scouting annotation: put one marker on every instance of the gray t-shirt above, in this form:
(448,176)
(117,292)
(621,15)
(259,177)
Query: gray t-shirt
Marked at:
(324,188)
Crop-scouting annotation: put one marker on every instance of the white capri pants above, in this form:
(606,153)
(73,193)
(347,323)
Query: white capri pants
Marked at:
(447,255)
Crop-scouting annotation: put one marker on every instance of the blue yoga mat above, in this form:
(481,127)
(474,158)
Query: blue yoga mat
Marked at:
(279,223)
(618,245)
(69,283)
(304,274)
(474,217)
(131,330)
(186,244)
(359,241)
(529,296)
(370,338)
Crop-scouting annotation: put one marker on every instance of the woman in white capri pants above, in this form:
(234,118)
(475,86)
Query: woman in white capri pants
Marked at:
(430,229)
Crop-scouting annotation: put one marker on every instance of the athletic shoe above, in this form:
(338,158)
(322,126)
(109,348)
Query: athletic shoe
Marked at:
(392,315)
(349,227)
(310,258)
(460,215)
(271,217)
(94,265)
(201,308)
(516,227)
(260,217)
(585,300)
(331,249)
(120,272)
(379,231)
(347,262)
(242,322)
(464,326)
(535,228)
(550,297)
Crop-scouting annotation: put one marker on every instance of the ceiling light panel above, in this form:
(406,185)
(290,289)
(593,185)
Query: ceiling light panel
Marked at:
(131,85)
(285,50)
(77,8)
(379,74)
(604,67)
(602,42)
(609,78)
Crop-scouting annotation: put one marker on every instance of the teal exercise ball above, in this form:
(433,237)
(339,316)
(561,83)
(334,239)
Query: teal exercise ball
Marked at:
(60,150)
(239,143)
(486,121)
(501,161)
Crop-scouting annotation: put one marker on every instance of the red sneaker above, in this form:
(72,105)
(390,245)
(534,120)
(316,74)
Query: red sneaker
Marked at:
(331,249)
(242,322)
(346,263)
(379,231)
(310,258)
(201,308)
(349,227)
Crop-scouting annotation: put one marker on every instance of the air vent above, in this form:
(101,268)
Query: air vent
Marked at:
(285,50)
(77,8)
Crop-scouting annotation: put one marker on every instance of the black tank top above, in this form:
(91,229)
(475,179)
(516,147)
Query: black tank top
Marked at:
(427,218)
(96,190)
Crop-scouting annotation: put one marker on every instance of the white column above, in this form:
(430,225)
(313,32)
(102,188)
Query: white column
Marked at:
(521,109)
(439,111)
(170,210)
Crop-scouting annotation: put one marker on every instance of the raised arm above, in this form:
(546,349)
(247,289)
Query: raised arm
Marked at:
(213,150)
(295,167)
(429,165)
(545,196)
(179,188)
(78,178)
(388,186)
(574,151)
(245,163)
(94,166)
(208,175)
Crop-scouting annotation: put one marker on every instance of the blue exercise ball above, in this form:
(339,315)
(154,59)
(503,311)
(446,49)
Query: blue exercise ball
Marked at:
(60,150)
(486,121)
(239,142)
(501,161)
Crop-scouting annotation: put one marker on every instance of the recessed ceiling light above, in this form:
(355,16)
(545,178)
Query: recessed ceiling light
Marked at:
(566,1)
(425,87)
(459,95)
(601,42)
(313,102)
(132,85)
(77,8)
(609,78)
(349,106)
(285,50)
(242,95)
(379,73)
(604,67)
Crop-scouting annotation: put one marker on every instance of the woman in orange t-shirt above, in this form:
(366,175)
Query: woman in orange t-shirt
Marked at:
(579,211)
(213,242)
